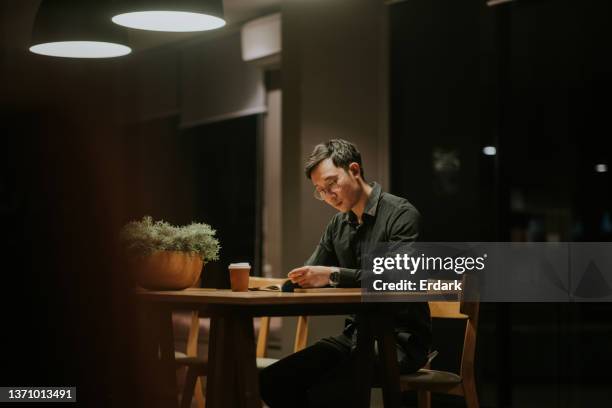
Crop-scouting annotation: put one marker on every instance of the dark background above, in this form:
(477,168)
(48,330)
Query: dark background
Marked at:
(531,79)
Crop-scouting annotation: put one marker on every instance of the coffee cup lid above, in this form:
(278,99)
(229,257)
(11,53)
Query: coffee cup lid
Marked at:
(240,265)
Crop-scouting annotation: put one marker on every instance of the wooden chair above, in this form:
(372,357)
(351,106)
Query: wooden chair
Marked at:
(190,358)
(191,352)
(197,367)
(425,381)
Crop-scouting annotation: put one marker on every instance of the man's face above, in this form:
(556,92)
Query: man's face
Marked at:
(339,188)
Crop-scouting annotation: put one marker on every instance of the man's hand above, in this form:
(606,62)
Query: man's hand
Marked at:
(310,276)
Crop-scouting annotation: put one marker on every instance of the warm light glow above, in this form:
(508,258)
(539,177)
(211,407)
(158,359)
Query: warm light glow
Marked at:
(174,21)
(81,49)
(490,150)
(601,168)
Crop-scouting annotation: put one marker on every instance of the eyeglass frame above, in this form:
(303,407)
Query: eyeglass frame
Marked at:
(320,194)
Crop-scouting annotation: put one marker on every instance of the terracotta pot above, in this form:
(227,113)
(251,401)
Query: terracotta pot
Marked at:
(167,270)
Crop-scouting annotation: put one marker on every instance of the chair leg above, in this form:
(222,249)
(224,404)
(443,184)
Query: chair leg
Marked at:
(471,396)
(189,388)
(424,399)
(199,396)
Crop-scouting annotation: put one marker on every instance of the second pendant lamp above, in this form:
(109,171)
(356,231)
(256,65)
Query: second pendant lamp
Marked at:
(77,29)
(170,15)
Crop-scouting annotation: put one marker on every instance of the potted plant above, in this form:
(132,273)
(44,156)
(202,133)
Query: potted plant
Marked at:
(164,256)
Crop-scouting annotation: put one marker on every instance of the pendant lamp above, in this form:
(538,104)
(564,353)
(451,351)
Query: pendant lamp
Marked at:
(170,15)
(77,29)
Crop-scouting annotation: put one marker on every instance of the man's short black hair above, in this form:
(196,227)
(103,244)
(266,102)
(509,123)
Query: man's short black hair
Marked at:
(341,152)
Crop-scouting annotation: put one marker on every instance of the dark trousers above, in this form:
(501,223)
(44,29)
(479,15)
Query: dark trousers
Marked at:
(322,375)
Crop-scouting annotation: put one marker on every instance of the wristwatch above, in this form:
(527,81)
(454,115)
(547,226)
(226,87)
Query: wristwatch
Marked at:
(334,277)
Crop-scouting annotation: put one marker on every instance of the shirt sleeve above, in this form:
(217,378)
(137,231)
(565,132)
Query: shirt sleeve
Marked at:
(403,227)
(324,253)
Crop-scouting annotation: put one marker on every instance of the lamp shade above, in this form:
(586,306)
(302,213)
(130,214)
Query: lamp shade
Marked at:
(170,15)
(77,29)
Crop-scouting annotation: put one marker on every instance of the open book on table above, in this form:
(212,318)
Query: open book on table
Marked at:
(276,285)
(266,284)
(269,288)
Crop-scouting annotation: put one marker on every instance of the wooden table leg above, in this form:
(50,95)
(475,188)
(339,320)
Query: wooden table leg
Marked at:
(220,383)
(246,362)
(387,354)
(233,377)
(365,359)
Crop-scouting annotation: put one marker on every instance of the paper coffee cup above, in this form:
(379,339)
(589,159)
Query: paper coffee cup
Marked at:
(239,276)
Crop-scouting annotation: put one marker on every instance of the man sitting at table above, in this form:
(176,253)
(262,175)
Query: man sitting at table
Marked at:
(324,374)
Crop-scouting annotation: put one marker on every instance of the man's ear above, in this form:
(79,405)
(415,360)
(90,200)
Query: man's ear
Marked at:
(355,169)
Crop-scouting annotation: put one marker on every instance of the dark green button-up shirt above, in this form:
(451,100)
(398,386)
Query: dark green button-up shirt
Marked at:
(386,218)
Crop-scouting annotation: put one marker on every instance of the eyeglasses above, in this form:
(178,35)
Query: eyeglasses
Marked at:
(330,187)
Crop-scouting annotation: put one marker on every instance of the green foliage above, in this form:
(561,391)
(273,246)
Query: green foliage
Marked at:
(141,238)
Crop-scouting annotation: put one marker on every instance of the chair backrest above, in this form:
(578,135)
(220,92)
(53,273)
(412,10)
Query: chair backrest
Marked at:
(464,310)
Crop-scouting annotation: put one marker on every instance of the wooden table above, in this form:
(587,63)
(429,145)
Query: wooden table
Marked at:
(233,378)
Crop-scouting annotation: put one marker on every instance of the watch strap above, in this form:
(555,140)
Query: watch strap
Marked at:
(334,277)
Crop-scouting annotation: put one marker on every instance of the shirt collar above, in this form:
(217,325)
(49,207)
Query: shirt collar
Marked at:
(371,205)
